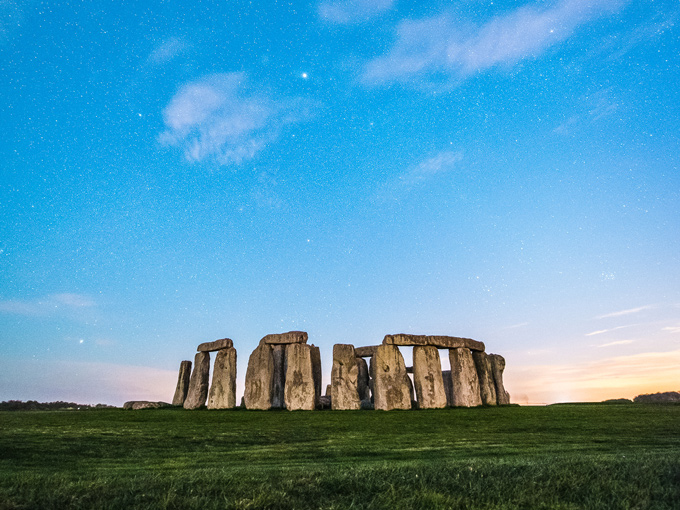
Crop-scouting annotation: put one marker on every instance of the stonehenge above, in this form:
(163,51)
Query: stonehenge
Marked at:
(284,372)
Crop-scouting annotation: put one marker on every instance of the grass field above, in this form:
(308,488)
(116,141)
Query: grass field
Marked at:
(591,456)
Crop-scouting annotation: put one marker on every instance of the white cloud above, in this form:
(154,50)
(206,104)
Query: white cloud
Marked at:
(353,11)
(166,51)
(218,117)
(441,163)
(629,311)
(441,47)
(54,304)
(602,331)
(617,342)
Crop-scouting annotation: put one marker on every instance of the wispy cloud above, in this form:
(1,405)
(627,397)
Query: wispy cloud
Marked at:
(167,50)
(603,331)
(672,329)
(617,342)
(629,311)
(442,162)
(353,11)
(54,304)
(441,48)
(219,117)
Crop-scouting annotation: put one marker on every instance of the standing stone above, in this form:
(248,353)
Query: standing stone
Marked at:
(223,388)
(259,378)
(391,382)
(316,372)
(344,378)
(279,376)
(363,387)
(427,376)
(487,388)
(182,383)
(448,387)
(198,384)
(497,366)
(300,392)
(464,380)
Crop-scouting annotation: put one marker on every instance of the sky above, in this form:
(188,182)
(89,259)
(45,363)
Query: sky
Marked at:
(176,172)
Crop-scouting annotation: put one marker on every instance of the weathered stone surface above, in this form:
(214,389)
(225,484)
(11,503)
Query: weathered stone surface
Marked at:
(448,386)
(224,343)
(292,337)
(487,388)
(300,391)
(223,388)
(259,378)
(497,366)
(182,383)
(427,377)
(440,342)
(279,376)
(328,391)
(198,384)
(464,380)
(316,372)
(365,352)
(136,405)
(391,382)
(363,387)
(344,378)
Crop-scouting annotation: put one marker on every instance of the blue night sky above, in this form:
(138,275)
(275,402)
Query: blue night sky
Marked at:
(176,172)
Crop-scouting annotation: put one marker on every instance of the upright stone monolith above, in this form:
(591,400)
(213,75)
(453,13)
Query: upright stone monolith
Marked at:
(182,383)
(427,377)
(300,391)
(464,380)
(316,373)
(344,378)
(279,376)
(259,378)
(198,384)
(497,366)
(487,388)
(223,388)
(391,382)
(363,387)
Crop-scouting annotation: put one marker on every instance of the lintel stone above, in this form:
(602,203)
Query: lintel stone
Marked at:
(291,337)
(224,343)
(365,352)
(440,342)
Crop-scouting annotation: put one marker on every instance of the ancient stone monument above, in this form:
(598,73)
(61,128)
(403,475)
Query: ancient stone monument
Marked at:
(391,385)
(223,388)
(198,384)
(487,387)
(345,378)
(497,366)
(464,380)
(182,383)
(427,376)
(284,372)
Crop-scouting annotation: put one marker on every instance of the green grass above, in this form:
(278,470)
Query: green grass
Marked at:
(563,457)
